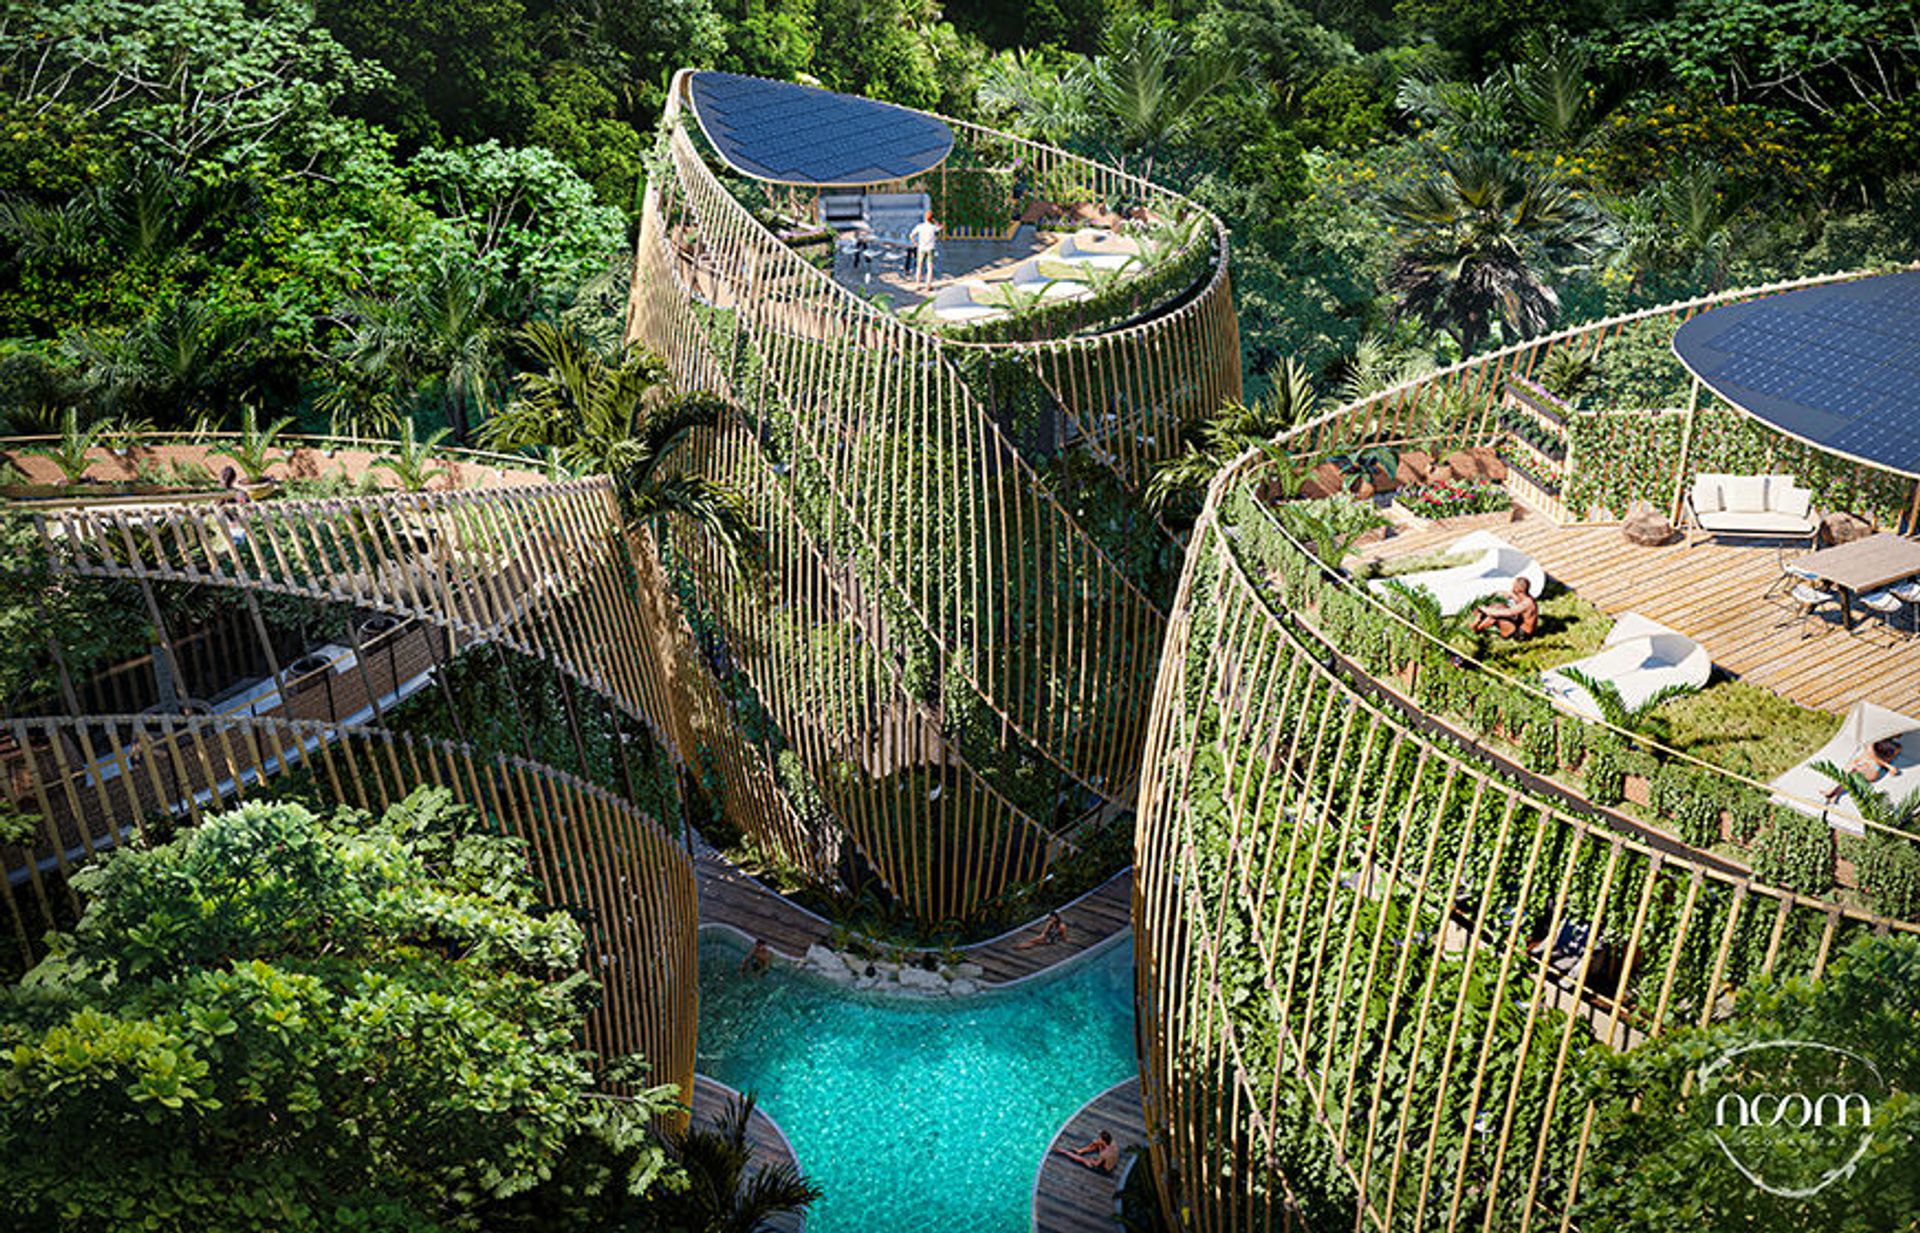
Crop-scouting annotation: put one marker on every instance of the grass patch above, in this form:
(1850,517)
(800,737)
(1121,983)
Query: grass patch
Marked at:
(1418,563)
(1570,629)
(1747,729)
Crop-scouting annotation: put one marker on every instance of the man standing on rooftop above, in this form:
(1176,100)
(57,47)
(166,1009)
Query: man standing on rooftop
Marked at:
(923,235)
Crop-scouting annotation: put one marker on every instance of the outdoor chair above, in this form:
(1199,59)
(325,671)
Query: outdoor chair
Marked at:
(1074,250)
(1908,593)
(1640,658)
(1810,598)
(1028,280)
(959,303)
(1789,577)
(1886,603)
(1804,789)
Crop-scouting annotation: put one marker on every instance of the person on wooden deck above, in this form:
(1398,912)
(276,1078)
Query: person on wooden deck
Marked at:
(1051,933)
(1101,1153)
(1517,618)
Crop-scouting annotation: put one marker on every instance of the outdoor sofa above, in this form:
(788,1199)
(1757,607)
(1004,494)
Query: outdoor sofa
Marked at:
(1753,506)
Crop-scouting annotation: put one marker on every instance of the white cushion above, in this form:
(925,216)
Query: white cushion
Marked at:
(1794,502)
(1706,494)
(1744,493)
(1756,522)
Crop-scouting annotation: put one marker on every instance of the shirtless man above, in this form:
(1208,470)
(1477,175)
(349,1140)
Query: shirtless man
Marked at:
(1101,1153)
(759,959)
(1517,618)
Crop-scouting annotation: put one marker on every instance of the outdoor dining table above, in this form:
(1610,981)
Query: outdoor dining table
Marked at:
(1863,565)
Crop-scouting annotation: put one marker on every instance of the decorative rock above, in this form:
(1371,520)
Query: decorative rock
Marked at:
(915,978)
(1442,474)
(1325,481)
(1464,465)
(1413,469)
(962,987)
(1648,528)
(968,971)
(865,982)
(825,960)
(1491,465)
(1838,528)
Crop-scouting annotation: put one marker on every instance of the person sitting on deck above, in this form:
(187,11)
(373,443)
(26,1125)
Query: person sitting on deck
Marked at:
(1517,618)
(1055,930)
(1871,763)
(1100,1153)
(759,959)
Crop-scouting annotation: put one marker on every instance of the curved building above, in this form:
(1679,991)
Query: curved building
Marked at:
(941,677)
(1396,904)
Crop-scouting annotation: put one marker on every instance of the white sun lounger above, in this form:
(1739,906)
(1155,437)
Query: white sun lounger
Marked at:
(1641,657)
(1805,789)
(959,303)
(1075,250)
(1028,280)
(1491,574)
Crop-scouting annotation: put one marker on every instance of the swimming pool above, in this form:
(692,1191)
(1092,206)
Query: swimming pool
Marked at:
(918,1115)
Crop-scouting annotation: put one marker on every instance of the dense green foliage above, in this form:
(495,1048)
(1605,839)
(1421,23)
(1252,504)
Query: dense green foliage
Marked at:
(288,1020)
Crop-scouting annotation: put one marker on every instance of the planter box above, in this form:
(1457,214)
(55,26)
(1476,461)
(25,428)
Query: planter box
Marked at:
(1462,523)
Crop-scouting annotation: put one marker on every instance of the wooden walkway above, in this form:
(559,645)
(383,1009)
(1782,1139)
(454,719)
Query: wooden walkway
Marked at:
(770,1146)
(730,897)
(1069,1197)
(1713,593)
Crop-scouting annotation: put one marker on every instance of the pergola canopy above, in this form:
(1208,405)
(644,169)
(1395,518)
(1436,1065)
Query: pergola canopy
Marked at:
(792,134)
(1836,366)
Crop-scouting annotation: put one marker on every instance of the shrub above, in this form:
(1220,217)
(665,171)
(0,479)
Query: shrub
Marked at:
(1606,771)
(1689,801)
(1540,745)
(1746,812)
(1889,870)
(1795,851)
(1573,743)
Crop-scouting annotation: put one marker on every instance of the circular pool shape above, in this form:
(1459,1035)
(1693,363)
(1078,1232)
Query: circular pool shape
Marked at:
(918,1114)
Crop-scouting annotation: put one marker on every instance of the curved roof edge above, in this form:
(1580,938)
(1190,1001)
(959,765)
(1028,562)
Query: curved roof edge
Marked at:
(785,133)
(1836,366)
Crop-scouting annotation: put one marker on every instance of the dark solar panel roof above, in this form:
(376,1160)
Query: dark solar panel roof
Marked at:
(1836,366)
(793,134)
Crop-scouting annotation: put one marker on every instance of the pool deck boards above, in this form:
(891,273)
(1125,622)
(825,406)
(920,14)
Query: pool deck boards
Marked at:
(770,1146)
(1069,1197)
(1713,593)
(730,897)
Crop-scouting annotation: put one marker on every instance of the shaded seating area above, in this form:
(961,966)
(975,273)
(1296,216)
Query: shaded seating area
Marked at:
(1805,789)
(1640,658)
(1458,588)
(1750,506)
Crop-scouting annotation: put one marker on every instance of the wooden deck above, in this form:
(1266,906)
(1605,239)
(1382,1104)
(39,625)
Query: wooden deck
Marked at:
(730,897)
(1068,1197)
(770,1146)
(1713,593)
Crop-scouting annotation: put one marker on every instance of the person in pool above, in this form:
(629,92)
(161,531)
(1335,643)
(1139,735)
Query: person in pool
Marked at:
(1054,931)
(1101,1153)
(759,959)
(1871,763)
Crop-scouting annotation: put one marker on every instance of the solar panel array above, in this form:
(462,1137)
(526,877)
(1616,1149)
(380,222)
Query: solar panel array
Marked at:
(1838,365)
(794,134)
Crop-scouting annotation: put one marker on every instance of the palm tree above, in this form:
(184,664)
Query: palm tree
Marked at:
(1874,804)
(724,1193)
(1424,612)
(1640,720)
(1034,97)
(1237,427)
(1483,235)
(440,334)
(1151,85)
(1690,219)
(409,463)
(601,413)
(256,447)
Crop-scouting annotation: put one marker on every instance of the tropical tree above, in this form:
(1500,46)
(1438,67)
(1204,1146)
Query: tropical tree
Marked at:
(1483,238)
(1148,89)
(411,461)
(1642,720)
(724,1193)
(1875,805)
(72,452)
(611,413)
(286,1019)
(1424,612)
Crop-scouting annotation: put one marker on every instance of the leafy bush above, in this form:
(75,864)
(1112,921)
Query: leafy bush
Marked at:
(1889,872)
(1795,851)
(288,1021)
(1606,771)
(1689,801)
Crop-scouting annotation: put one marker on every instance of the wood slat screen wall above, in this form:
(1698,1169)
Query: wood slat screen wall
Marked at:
(93,782)
(920,563)
(1358,1005)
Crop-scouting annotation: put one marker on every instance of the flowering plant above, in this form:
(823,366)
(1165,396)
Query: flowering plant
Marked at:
(1454,497)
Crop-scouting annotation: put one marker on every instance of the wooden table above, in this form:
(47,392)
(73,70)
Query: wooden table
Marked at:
(1863,565)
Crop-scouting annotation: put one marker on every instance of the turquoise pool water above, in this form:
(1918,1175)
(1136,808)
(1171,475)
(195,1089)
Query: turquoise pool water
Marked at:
(918,1115)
